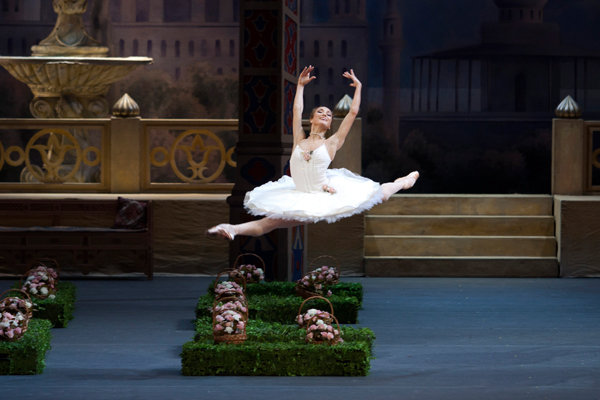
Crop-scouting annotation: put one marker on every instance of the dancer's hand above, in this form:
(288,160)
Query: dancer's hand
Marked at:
(305,77)
(350,75)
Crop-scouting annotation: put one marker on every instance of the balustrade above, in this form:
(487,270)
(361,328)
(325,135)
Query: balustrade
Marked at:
(118,155)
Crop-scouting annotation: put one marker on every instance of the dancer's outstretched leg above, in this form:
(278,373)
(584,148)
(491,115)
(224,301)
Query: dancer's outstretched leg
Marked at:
(252,228)
(406,182)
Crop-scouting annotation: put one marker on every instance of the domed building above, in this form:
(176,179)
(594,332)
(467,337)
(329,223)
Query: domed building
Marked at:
(520,66)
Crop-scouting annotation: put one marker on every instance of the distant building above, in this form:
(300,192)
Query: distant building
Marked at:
(520,66)
(334,37)
(178,33)
(391,47)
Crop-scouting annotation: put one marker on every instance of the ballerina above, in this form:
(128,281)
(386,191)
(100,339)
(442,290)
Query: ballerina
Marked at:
(314,192)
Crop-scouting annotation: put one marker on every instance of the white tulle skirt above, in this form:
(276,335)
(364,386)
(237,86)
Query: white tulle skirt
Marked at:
(354,195)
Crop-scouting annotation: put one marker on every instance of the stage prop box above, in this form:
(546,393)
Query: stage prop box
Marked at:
(278,302)
(59,311)
(27,356)
(273,349)
(578,235)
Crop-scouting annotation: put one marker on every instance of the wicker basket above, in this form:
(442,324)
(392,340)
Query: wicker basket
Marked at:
(45,262)
(36,266)
(314,264)
(237,267)
(301,318)
(327,319)
(221,336)
(27,312)
(305,291)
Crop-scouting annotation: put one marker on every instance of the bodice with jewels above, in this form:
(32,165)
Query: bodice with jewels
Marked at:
(309,168)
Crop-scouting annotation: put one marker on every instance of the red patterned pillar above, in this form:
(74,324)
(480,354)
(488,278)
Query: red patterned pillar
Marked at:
(268,76)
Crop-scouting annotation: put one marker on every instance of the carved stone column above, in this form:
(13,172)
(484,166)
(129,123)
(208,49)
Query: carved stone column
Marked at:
(268,76)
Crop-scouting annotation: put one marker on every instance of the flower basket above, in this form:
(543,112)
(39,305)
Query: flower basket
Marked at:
(49,263)
(230,288)
(231,303)
(15,314)
(41,281)
(319,325)
(251,272)
(229,326)
(315,282)
(336,271)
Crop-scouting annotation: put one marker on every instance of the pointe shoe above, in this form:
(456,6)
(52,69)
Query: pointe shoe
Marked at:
(409,180)
(223,231)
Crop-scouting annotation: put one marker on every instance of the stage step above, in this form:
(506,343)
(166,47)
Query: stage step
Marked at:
(460,246)
(463,225)
(459,204)
(461,235)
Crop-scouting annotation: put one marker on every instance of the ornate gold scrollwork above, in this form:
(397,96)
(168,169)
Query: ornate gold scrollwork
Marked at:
(197,144)
(18,150)
(53,155)
(86,160)
(595,161)
(229,159)
(164,152)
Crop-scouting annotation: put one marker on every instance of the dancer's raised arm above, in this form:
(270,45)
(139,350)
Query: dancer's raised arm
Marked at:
(303,79)
(339,137)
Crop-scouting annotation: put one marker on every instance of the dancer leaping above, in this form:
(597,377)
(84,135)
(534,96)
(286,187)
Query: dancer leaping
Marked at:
(314,192)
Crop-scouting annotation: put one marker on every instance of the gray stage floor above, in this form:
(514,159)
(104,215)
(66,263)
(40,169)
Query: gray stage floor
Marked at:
(436,339)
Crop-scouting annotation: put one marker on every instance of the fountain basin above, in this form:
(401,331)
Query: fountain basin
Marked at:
(79,76)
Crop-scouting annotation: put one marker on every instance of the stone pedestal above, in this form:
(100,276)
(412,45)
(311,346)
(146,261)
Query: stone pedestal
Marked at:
(568,157)
(125,157)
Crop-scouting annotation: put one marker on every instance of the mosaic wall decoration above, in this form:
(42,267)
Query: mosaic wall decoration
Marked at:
(260,39)
(291,40)
(289,91)
(260,105)
(298,252)
(292,5)
(258,171)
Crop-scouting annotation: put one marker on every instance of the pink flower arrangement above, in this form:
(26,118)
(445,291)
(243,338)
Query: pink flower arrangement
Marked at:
(41,282)
(320,327)
(231,305)
(229,322)
(229,289)
(13,318)
(250,272)
(318,280)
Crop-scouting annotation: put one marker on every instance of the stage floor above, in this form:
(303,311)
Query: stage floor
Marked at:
(437,338)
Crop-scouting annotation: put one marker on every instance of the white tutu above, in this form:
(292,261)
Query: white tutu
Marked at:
(303,198)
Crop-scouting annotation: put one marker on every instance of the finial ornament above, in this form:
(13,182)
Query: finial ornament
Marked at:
(343,107)
(568,108)
(126,107)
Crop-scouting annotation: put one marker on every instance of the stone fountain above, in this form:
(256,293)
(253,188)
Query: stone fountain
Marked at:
(69,74)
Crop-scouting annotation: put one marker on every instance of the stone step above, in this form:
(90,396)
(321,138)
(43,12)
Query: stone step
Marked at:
(506,267)
(459,225)
(457,246)
(449,204)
